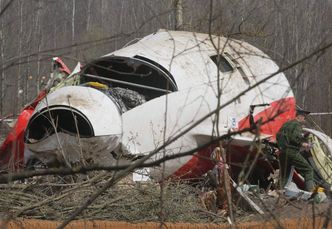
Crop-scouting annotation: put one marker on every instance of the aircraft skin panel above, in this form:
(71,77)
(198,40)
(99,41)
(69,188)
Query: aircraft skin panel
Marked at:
(64,146)
(180,101)
(199,165)
(278,112)
(187,71)
(72,149)
(322,162)
(187,57)
(184,108)
(324,138)
(12,149)
(95,105)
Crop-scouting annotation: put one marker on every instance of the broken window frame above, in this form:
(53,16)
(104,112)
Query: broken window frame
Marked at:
(223,61)
(151,87)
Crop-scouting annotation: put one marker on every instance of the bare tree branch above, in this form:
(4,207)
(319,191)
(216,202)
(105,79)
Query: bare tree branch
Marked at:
(6,7)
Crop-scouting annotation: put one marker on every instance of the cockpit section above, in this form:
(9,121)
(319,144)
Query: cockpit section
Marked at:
(134,80)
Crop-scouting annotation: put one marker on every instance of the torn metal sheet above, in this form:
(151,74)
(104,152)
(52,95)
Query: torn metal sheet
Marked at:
(61,148)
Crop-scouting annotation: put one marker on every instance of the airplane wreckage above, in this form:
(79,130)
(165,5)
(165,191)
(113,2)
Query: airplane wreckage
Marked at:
(170,88)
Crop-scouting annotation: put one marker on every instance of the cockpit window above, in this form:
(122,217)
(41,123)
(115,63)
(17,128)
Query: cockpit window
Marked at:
(222,64)
(138,74)
(161,68)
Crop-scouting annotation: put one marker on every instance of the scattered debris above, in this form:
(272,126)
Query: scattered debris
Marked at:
(247,198)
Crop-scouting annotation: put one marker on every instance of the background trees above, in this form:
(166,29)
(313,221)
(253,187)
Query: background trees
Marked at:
(33,31)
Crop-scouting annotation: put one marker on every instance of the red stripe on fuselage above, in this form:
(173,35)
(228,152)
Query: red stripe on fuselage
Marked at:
(277,114)
(12,149)
(199,164)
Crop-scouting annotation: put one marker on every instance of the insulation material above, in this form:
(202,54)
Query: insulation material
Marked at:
(322,162)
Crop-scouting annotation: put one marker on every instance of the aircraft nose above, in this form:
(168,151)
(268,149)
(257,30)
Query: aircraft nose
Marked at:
(75,124)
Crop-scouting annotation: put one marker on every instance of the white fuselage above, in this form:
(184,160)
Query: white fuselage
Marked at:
(187,57)
(201,88)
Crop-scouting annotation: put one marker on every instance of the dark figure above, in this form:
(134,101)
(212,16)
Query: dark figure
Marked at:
(291,141)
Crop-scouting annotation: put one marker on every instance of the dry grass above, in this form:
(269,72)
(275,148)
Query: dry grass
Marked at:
(54,198)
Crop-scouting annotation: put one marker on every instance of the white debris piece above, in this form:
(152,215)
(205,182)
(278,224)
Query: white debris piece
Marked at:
(141,174)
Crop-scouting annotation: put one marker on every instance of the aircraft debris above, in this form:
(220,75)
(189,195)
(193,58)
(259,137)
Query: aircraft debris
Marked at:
(136,99)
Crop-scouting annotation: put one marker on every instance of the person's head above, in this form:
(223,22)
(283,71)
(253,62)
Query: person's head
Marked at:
(301,115)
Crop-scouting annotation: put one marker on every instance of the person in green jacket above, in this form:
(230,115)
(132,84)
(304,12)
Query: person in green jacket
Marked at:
(291,142)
